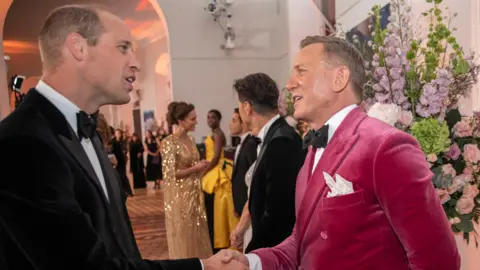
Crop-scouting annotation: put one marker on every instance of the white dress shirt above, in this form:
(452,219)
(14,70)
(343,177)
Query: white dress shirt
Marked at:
(263,132)
(237,151)
(333,123)
(70,110)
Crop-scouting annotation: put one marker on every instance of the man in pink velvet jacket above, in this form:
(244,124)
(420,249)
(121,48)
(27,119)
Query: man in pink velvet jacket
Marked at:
(364,197)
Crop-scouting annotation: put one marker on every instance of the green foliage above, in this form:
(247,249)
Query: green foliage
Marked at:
(432,135)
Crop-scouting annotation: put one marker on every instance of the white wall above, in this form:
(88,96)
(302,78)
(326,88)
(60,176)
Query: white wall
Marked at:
(202,73)
(304,19)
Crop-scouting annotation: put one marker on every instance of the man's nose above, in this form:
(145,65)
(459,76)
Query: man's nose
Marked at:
(291,84)
(134,64)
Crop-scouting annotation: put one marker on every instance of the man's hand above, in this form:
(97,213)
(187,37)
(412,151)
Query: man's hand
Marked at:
(236,238)
(226,259)
(229,255)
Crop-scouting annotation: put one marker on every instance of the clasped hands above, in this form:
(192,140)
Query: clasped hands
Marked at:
(226,259)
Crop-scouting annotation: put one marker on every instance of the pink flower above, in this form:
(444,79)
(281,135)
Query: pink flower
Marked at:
(463,129)
(471,153)
(431,158)
(465,205)
(470,191)
(453,152)
(406,118)
(468,171)
(448,169)
(443,194)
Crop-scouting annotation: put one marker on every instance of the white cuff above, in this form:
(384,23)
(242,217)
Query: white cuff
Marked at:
(201,263)
(254,261)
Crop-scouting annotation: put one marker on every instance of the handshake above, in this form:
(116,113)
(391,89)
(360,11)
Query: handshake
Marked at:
(226,259)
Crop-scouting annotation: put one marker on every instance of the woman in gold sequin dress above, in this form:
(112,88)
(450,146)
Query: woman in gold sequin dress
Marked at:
(185,217)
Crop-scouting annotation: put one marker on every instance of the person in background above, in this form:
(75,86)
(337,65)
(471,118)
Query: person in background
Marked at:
(106,135)
(303,128)
(245,156)
(137,164)
(185,218)
(119,149)
(217,185)
(271,202)
(154,159)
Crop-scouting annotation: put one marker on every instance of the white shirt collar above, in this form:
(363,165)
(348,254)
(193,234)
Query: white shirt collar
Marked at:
(65,106)
(243,136)
(335,121)
(263,132)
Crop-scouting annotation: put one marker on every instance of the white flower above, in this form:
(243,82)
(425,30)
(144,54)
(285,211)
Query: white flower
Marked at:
(291,121)
(388,113)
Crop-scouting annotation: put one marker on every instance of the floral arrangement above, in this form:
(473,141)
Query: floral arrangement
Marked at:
(415,85)
(285,108)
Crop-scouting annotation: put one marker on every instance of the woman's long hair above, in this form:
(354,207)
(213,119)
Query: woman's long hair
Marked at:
(103,129)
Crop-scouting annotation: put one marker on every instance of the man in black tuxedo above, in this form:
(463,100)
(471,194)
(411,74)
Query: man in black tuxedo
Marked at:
(245,156)
(280,157)
(64,208)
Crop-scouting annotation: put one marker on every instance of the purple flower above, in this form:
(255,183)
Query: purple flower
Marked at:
(396,73)
(434,93)
(398,84)
(453,152)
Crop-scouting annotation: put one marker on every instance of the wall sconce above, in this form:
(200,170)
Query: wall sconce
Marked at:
(219,9)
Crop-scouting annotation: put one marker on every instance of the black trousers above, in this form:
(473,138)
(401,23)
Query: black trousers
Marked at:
(209,203)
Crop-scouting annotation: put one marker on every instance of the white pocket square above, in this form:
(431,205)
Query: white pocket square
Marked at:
(339,186)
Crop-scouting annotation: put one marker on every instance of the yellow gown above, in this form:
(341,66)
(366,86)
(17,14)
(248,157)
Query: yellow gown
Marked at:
(185,216)
(218,181)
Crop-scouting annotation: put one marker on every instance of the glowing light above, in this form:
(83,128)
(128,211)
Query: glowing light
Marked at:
(162,66)
(16,47)
(144,5)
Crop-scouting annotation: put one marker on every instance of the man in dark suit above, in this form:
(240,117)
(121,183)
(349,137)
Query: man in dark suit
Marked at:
(280,157)
(63,208)
(245,156)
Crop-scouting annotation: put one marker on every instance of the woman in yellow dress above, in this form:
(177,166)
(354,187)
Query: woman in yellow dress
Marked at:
(185,217)
(217,185)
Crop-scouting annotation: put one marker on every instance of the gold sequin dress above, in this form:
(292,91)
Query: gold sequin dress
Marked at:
(185,216)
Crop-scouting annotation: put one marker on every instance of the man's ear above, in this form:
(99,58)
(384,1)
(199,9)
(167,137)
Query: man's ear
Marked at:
(76,46)
(341,78)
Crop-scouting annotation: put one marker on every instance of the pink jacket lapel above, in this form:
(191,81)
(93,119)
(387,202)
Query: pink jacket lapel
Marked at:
(333,156)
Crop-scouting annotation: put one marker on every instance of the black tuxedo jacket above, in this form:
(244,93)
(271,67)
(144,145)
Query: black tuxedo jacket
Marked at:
(272,192)
(246,157)
(54,214)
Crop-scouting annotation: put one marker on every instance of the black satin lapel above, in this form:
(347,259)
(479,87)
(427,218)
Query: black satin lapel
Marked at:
(242,148)
(75,148)
(110,175)
(266,141)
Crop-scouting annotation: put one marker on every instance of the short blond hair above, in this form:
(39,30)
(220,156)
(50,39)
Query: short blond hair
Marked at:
(81,19)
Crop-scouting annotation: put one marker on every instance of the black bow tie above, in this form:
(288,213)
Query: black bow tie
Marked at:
(258,141)
(86,124)
(316,138)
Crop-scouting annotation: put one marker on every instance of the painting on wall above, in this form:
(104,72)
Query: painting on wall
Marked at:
(364,34)
(149,121)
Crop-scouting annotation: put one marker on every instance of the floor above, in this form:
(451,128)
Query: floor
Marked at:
(148,221)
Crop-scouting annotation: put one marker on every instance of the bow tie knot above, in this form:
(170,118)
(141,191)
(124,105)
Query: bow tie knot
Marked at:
(86,125)
(258,141)
(316,138)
